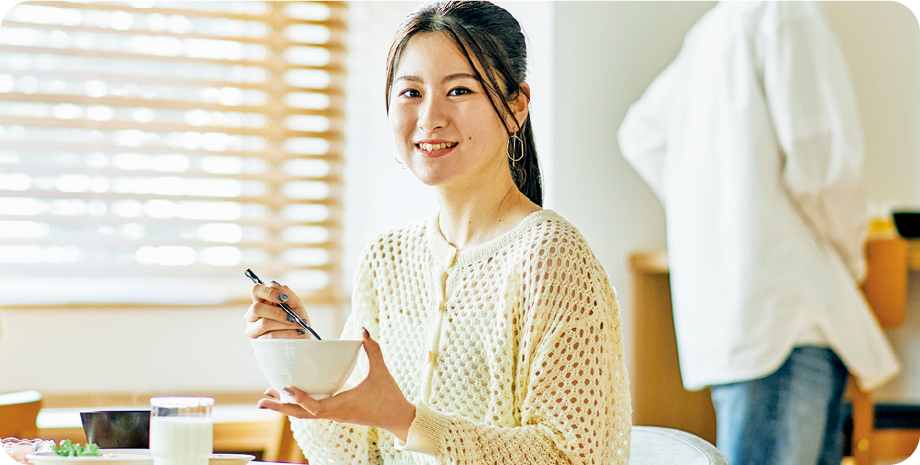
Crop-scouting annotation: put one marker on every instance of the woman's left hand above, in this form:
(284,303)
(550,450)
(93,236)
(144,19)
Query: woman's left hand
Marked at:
(377,401)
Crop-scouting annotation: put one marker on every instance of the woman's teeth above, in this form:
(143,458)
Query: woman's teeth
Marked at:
(436,147)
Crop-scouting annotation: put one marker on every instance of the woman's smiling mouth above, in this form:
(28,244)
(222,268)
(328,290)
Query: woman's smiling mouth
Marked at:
(434,150)
(436,147)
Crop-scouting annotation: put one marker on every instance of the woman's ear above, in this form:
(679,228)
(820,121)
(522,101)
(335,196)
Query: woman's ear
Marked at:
(521,105)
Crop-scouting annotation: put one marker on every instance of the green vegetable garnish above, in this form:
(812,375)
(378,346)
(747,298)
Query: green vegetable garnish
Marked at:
(69,449)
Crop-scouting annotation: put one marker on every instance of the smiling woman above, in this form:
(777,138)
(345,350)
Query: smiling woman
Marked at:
(169,145)
(491,331)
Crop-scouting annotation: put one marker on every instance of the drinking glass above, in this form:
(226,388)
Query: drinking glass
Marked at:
(181,430)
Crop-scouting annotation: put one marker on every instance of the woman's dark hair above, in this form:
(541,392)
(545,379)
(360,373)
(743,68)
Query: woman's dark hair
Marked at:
(494,37)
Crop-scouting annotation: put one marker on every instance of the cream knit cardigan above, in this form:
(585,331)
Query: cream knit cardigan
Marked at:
(512,351)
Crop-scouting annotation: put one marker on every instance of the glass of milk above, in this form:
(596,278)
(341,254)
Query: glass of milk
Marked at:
(181,430)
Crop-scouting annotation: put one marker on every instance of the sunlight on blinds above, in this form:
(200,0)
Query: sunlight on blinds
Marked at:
(150,151)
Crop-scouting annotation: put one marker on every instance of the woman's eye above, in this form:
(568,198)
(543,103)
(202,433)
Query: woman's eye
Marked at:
(411,93)
(459,91)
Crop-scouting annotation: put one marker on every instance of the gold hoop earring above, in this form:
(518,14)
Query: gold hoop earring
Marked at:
(514,141)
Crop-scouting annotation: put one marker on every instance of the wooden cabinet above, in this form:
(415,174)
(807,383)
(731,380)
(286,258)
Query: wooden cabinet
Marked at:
(659,398)
(658,394)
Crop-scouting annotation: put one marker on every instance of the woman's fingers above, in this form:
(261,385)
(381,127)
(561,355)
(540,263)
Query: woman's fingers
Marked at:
(306,402)
(272,293)
(377,366)
(261,310)
(299,409)
(265,319)
(284,334)
(374,354)
(293,410)
(277,293)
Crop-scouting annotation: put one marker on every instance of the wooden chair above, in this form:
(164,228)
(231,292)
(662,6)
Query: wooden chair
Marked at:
(877,432)
(19,414)
(287,449)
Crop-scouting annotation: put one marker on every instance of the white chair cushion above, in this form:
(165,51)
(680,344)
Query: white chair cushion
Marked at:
(652,445)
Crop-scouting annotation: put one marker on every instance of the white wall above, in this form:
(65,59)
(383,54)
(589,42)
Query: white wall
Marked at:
(608,52)
(881,42)
(126,351)
(590,60)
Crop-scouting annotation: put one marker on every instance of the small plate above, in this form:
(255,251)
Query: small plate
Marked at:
(230,459)
(213,459)
(128,457)
(113,458)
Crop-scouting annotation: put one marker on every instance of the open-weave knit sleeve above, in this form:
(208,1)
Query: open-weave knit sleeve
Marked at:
(569,380)
(330,442)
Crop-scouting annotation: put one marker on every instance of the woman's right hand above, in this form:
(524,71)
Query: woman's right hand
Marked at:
(265,319)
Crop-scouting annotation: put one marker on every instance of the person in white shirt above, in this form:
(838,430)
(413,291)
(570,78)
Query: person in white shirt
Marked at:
(491,331)
(750,138)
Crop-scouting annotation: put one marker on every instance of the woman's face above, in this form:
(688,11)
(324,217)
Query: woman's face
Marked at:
(445,129)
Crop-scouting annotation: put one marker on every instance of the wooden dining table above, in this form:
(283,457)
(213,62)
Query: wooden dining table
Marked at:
(238,428)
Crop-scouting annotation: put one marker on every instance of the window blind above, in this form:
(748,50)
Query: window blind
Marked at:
(151,151)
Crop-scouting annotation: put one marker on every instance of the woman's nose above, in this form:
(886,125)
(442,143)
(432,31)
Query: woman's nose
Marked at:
(432,115)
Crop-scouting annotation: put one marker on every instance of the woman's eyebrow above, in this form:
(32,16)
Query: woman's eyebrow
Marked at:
(408,78)
(447,78)
(459,76)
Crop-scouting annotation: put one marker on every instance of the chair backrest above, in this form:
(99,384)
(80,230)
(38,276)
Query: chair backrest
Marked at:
(654,445)
(19,413)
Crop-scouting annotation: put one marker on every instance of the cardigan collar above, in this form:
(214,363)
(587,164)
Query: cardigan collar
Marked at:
(446,255)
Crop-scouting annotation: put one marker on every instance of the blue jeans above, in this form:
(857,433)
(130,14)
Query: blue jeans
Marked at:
(793,416)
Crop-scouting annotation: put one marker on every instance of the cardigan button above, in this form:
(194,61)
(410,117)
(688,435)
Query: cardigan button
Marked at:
(432,357)
(451,257)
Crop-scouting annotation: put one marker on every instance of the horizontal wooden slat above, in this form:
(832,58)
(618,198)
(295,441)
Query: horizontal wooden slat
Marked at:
(319,297)
(334,225)
(270,176)
(268,199)
(123,125)
(265,131)
(267,86)
(105,242)
(36,146)
(266,40)
(332,23)
(144,271)
(334,66)
(127,102)
(334,46)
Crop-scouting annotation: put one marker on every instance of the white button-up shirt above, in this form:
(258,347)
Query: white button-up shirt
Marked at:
(751,141)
